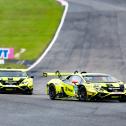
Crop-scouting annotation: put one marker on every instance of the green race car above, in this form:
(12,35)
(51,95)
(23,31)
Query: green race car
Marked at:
(85,86)
(15,80)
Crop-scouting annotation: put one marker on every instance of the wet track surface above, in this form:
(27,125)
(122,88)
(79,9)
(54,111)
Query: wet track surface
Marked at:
(92,39)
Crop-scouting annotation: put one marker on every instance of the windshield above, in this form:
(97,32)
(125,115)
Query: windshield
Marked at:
(12,74)
(100,79)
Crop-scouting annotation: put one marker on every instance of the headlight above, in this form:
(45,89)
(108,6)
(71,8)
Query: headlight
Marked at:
(97,87)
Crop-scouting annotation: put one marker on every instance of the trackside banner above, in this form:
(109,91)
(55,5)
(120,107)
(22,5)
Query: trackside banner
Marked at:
(6,53)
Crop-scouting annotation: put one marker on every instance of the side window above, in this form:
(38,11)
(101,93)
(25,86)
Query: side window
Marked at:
(77,78)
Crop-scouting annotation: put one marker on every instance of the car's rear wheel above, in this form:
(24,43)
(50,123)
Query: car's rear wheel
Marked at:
(52,92)
(82,94)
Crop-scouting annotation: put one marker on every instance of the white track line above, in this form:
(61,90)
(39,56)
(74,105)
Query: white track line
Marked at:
(66,5)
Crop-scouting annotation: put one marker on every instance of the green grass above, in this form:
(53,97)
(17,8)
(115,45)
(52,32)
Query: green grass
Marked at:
(11,65)
(29,24)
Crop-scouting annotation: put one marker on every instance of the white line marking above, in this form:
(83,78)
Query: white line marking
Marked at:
(17,55)
(63,3)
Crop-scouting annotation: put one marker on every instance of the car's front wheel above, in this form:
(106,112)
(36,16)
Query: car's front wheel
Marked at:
(52,92)
(82,94)
(122,99)
(29,92)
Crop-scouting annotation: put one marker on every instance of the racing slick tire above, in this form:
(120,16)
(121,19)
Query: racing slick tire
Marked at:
(52,92)
(122,99)
(82,94)
(29,92)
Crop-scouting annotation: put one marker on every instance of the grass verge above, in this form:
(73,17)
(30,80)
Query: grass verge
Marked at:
(28,24)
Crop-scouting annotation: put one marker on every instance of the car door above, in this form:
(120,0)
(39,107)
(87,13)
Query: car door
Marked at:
(69,87)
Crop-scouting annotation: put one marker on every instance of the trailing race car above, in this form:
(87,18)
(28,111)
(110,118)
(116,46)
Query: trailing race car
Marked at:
(15,80)
(85,86)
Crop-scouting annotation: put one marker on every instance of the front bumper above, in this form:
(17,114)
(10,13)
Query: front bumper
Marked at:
(110,95)
(14,88)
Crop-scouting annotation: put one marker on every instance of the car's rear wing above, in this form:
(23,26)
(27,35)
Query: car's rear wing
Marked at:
(59,74)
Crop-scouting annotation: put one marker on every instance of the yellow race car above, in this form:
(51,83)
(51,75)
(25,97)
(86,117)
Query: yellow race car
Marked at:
(15,80)
(85,86)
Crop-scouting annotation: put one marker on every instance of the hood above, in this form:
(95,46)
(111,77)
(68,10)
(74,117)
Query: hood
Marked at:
(11,80)
(110,84)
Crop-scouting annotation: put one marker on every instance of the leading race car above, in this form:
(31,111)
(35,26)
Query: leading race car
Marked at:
(85,86)
(15,80)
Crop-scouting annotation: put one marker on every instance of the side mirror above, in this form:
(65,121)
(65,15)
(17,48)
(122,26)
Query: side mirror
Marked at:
(74,81)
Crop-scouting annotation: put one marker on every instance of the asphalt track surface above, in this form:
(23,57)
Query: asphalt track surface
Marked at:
(92,39)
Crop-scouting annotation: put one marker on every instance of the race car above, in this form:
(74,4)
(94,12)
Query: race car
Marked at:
(85,86)
(15,81)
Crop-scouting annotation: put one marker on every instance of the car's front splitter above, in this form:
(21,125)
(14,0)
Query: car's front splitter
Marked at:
(108,96)
(14,89)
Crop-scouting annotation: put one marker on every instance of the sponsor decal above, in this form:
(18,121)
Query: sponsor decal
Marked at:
(6,53)
(1,61)
(68,89)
